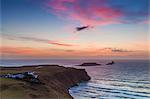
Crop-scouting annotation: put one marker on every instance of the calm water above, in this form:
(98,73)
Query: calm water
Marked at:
(126,79)
(123,80)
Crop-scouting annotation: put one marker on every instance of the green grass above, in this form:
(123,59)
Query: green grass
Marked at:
(11,89)
(8,72)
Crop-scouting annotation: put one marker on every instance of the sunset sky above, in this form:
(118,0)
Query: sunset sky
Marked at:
(47,29)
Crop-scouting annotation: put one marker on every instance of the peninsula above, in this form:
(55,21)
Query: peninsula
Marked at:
(55,82)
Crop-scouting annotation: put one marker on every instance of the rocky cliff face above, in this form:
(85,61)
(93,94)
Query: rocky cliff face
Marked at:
(63,79)
(55,81)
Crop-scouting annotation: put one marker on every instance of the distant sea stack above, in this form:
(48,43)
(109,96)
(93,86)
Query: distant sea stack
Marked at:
(89,64)
(55,82)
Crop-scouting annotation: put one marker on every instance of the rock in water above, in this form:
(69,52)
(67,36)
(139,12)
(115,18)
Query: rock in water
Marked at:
(111,63)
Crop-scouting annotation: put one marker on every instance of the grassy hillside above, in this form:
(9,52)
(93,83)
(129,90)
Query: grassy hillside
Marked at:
(11,89)
(56,80)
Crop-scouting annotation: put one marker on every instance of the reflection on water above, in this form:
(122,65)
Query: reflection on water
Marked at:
(124,80)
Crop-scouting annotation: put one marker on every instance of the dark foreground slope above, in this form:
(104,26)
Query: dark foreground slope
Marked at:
(56,80)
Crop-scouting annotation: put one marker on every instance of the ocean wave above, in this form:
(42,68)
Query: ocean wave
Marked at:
(102,91)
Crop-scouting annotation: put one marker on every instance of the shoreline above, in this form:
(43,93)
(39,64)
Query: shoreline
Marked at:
(56,81)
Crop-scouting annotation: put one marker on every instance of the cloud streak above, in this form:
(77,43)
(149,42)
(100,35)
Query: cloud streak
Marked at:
(52,42)
(46,41)
(116,50)
(100,12)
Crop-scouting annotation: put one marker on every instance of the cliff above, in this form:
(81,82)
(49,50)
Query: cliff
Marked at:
(55,82)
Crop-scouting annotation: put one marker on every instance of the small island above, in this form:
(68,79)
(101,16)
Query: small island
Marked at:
(39,81)
(110,63)
(89,64)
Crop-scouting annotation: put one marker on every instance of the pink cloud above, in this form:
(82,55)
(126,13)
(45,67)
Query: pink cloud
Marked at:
(88,13)
(146,22)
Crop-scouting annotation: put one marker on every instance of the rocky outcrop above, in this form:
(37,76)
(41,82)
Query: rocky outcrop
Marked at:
(55,81)
(89,64)
(111,63)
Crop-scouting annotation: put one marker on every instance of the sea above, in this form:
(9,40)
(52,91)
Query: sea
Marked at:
(126,79)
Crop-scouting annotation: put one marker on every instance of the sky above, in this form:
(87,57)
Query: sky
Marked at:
(48,29)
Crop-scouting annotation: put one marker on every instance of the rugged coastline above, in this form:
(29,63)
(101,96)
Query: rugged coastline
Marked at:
(55,82)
